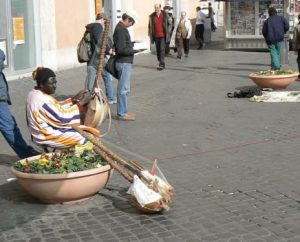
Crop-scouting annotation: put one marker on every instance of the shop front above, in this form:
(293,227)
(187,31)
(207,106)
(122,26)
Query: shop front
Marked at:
(244,21)
(17,35)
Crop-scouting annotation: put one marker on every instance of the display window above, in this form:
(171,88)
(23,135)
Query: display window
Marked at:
(242,18)
(247,18)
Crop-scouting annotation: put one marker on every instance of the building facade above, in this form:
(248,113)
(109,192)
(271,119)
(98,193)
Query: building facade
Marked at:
(244,20)
(46,33)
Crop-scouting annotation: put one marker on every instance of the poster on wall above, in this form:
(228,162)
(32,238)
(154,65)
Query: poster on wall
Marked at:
(18,30)
(3,48)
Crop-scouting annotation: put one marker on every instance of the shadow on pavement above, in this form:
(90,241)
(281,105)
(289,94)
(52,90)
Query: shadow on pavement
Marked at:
(17,207)
(236,69)
(120,199)
(252,64)
(248,88)
(8,160)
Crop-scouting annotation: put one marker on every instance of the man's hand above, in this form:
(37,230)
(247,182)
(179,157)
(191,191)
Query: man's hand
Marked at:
(86,98)
(79,95)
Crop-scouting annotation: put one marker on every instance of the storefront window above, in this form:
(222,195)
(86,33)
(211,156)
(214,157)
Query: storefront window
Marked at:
(23,39)
(263,10)
(242,18)
(262,13)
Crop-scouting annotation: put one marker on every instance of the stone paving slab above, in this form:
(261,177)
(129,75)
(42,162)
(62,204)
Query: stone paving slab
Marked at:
(234,163)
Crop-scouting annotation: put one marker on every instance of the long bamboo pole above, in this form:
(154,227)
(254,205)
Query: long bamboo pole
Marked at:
(133,168)
(114,164)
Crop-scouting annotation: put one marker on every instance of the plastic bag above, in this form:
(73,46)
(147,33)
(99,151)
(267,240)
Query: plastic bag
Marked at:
(142,193)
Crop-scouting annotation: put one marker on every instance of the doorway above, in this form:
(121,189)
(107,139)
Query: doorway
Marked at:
(17,35)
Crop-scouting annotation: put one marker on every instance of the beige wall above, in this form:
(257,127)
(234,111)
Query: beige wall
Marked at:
(64,31)
(146,7)
(70,21)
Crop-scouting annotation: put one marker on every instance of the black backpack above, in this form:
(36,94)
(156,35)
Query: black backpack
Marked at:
(84,48)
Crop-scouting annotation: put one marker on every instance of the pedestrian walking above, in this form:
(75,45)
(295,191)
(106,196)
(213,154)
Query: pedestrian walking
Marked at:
(273,31)
(211,14)
(158,32)
(125,55)
(296,43)
(8,125)
(96,30)
(199,28)
(182,34)
(170,28)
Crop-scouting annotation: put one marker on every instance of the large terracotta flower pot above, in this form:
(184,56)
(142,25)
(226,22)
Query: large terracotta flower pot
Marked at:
(273,81)
(64,188)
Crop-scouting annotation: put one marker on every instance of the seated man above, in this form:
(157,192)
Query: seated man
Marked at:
(50,121)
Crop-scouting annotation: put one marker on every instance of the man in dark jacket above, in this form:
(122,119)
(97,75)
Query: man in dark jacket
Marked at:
(125,53)
(8,124)
(170,28)
(273,31)
(211,14)
(96,30)
(159,34)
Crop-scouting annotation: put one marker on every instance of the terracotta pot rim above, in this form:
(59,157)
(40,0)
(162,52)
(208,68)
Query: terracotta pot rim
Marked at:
(273,76)
(61,176)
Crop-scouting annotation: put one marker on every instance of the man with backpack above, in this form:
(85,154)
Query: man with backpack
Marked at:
(96,31)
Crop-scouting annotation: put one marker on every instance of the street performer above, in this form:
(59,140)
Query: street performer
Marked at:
(50,121)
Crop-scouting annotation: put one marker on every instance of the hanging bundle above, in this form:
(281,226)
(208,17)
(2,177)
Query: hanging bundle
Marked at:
(98,109)
(151,192)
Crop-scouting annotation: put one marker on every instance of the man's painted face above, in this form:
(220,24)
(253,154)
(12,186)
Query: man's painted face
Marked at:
(50,86)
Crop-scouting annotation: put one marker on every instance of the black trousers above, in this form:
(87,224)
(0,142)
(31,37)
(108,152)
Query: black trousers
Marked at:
(199,31)
(185,43)
(213,26)
(160,50)
(298,60)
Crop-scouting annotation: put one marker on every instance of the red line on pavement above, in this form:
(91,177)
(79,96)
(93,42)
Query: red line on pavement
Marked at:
(281,138)
(169,157)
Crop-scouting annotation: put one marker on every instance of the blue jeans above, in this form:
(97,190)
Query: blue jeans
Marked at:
(107,78)
(12,133)
(90,78)
(108,82)
(124,73)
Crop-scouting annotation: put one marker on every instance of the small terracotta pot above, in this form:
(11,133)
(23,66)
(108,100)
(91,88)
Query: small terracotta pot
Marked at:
(64,188)
(274,81)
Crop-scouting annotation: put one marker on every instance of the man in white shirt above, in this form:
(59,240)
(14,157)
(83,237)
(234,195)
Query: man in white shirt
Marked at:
(200,19)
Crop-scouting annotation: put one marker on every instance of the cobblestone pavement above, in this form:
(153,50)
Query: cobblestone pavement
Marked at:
(234,163)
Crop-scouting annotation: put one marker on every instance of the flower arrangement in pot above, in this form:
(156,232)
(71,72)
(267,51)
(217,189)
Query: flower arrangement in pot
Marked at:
(275,79)
(68,176)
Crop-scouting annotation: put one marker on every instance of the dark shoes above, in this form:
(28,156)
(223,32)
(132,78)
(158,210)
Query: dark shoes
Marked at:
(178,57)
(160,67)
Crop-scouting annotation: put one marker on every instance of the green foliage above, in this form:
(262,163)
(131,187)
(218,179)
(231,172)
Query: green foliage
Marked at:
(65,161)
(275,72)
